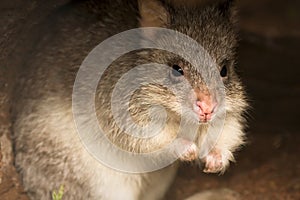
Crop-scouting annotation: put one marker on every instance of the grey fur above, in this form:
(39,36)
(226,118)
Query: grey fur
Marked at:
(48,150)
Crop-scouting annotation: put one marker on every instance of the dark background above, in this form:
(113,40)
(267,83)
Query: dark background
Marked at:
(268,167)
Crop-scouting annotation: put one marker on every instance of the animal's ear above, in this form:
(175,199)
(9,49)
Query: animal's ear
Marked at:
(153,13)
(227,8)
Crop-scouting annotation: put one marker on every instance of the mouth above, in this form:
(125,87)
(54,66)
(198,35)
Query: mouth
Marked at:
(202,117)
(205,122)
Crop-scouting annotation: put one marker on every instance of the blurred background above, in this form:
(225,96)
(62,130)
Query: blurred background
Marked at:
(268,167)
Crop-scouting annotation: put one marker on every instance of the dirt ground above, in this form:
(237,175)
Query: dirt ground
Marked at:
(268,167)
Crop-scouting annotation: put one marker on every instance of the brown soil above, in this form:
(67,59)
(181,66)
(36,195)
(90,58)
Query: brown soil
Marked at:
(268,167)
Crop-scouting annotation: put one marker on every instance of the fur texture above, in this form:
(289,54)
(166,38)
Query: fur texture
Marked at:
(48,150)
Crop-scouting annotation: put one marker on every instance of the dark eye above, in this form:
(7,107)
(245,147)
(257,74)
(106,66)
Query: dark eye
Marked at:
(223,71)
(177,71)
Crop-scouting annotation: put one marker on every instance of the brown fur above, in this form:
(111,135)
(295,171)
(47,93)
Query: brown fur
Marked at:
(48,150)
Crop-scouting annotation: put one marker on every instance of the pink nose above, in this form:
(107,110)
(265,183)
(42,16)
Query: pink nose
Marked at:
(206,109)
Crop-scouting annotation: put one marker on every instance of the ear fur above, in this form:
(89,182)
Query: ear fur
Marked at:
(153,13)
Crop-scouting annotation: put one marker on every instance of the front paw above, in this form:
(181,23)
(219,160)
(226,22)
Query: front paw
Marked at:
(186,150)
(190,153)
(214,162)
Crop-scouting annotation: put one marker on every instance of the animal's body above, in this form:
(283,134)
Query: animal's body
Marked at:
(49,152)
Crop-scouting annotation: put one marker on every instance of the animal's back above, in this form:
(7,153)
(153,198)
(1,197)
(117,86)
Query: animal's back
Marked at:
(48,150)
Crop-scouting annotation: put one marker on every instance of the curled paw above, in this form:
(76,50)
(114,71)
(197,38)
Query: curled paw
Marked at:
(213,162)
(186,150)
(190,154)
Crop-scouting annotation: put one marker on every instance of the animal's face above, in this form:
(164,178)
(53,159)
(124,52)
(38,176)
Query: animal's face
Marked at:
(199,93)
